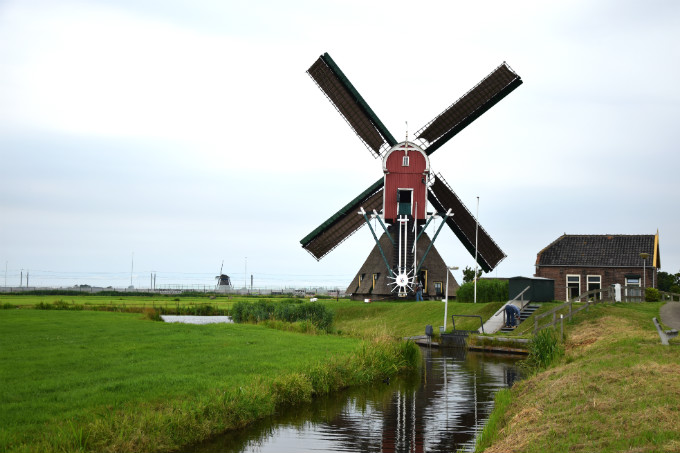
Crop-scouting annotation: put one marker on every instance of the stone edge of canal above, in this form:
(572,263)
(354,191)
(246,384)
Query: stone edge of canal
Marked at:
(514,345)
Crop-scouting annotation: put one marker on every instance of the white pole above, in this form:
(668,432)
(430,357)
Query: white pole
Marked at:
(446,303)
(476,239)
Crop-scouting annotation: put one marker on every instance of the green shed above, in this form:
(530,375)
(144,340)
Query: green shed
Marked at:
(540,289)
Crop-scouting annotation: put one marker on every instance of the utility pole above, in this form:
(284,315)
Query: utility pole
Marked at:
(476,238)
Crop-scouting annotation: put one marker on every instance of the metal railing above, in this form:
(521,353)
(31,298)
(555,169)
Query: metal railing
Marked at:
(453,320)
(523,304)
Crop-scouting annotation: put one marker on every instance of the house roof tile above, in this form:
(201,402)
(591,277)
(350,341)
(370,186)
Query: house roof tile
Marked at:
(608,250)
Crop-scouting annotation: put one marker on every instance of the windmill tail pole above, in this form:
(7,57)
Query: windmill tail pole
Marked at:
(368,222)
(422,260)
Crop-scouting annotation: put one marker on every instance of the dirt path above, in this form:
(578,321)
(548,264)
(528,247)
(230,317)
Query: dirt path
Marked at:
(670,314)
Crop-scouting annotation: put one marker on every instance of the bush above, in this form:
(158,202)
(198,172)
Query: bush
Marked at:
(287,310)
(487,291)
(652,295)
(544,348)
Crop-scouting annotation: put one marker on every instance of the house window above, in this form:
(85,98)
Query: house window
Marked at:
(438,288)
(633,281)
(375,279)
(404,162)
(595,282)
(573,286)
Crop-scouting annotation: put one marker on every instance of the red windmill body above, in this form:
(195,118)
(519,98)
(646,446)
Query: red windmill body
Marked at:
(407,170)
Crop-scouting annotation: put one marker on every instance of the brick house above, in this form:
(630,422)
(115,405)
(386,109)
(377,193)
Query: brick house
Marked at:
(580,263)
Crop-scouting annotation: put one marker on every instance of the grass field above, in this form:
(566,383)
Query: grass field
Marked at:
(615,389)
(90,380)
(94,300)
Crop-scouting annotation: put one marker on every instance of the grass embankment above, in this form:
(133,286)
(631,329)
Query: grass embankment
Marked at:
(94,381)
(400,319)
(616,388)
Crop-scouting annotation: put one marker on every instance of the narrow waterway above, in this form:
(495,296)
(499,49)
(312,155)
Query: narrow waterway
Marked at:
(439,409)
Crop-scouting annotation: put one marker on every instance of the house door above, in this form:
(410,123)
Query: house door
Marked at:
(404,197)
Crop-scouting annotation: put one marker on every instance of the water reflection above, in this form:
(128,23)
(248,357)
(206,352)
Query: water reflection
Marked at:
(439,409)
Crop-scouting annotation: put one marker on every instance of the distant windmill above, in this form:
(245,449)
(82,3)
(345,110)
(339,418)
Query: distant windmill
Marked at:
(223,280)
(398,200)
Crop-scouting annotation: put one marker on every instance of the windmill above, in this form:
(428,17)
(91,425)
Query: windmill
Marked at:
(398,200)
(223,280)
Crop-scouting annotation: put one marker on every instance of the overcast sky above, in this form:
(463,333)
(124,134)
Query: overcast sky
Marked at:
(187,132)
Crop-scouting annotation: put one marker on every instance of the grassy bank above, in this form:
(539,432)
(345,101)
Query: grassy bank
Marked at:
(94,381)
(400,319)
(615,389)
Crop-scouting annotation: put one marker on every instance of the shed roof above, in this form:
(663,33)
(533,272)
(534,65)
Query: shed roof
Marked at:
(606,250)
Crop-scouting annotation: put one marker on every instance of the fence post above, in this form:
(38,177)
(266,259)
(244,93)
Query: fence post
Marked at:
(535,325)
(561,327)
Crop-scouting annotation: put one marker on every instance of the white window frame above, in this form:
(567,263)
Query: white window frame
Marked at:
(633,292)
(410,189)
(579,284)
(599,282)
(404,161)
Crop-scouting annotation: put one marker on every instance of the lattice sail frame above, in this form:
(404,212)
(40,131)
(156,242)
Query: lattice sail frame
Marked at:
(487,93)
(352,107)
(464,225)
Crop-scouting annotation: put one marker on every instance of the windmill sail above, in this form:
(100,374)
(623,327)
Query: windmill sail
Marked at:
(347,100)
(494,87)
(343,223)
(464,225)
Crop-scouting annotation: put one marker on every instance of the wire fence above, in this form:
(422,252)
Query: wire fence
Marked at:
(296,291)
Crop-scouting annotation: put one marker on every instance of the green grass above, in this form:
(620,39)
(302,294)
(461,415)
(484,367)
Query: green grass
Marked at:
(136,300)
(400,319)
(615,389)
(88,380)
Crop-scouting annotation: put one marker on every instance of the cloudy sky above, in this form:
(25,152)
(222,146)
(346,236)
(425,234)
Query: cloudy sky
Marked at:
(182,134)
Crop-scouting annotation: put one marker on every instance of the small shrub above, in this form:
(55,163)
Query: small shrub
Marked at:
(152,314)
(544,349)
(8,306)
(652,295)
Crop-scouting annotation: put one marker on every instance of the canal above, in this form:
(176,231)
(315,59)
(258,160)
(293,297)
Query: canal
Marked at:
(440,408)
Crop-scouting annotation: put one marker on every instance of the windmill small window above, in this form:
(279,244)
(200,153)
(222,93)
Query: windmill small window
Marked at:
(404,162)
